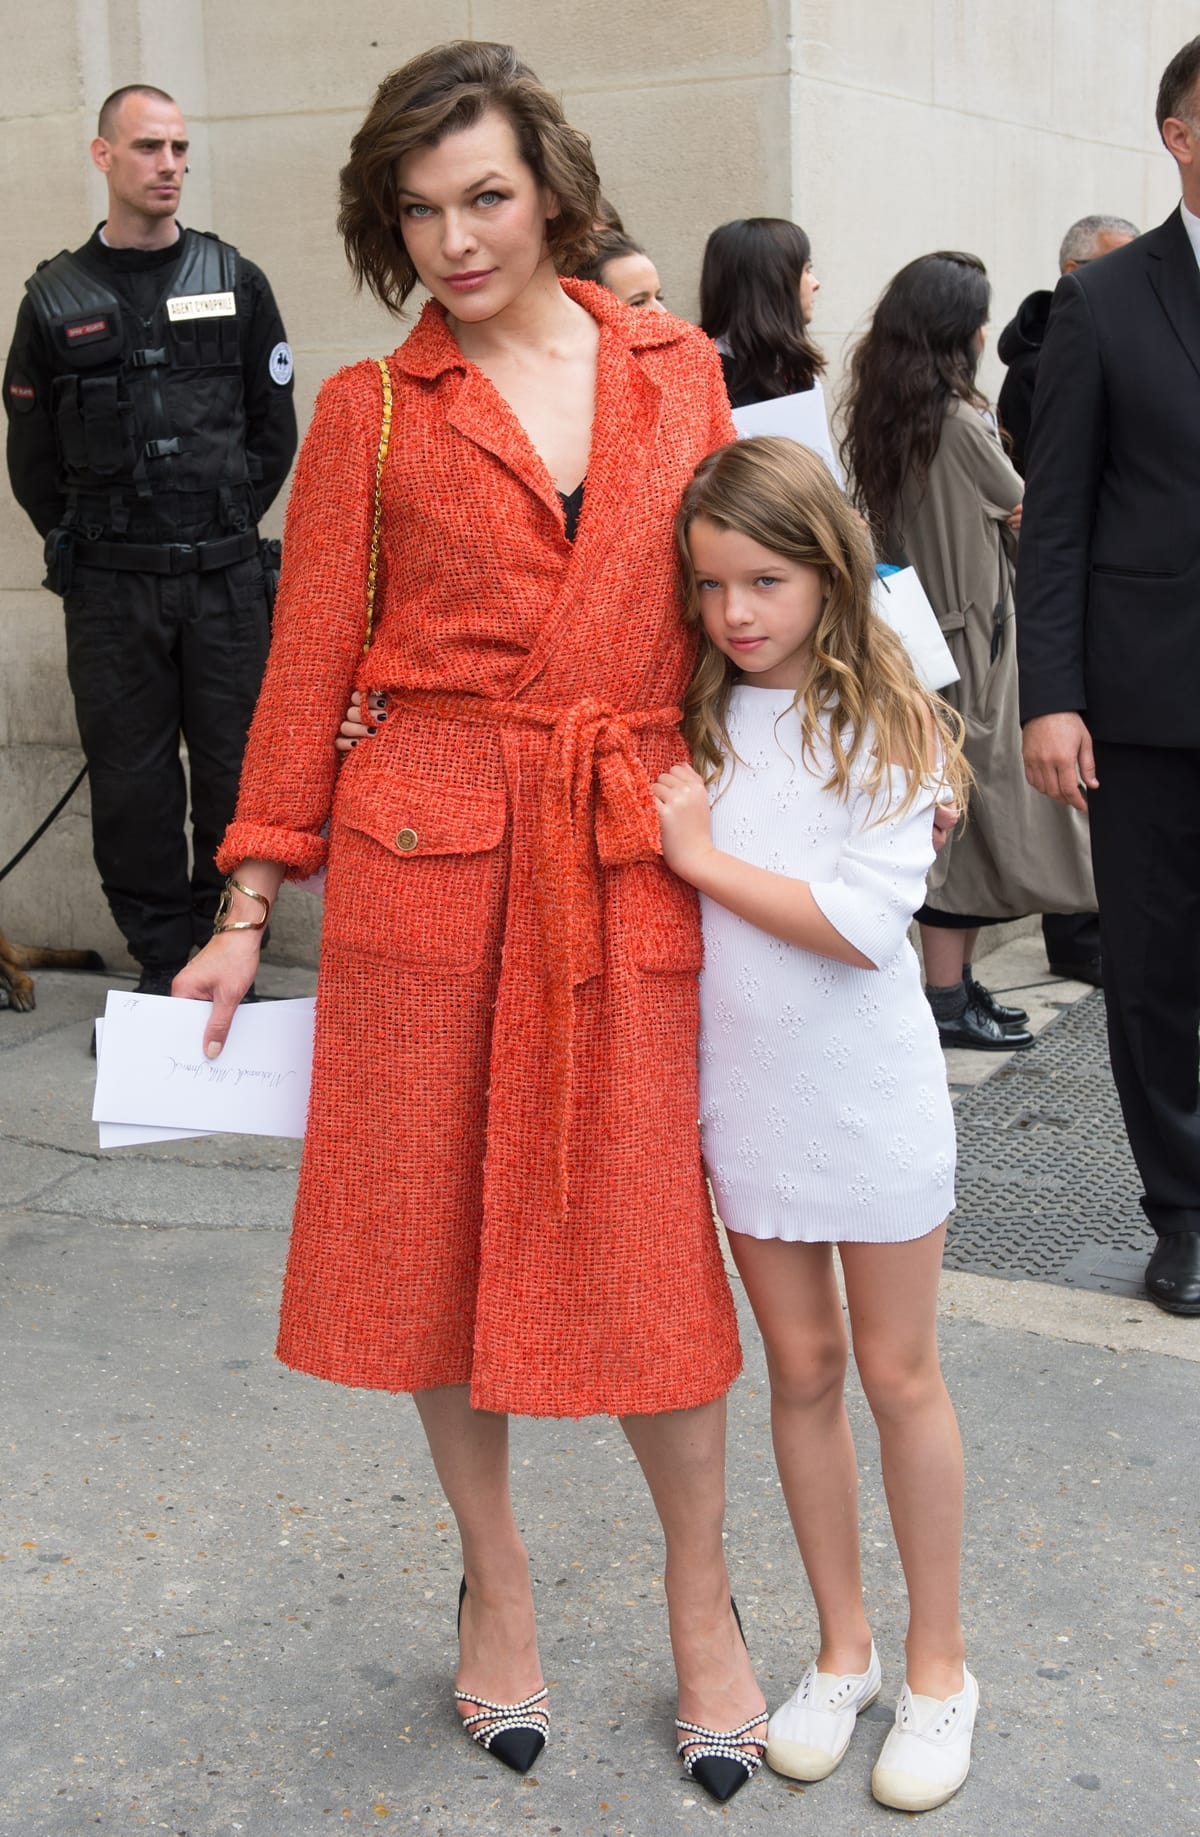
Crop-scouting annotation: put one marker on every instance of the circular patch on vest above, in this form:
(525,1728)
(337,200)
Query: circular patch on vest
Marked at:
(280,364)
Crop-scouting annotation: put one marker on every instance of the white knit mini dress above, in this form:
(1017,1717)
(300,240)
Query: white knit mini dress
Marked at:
(824,1109)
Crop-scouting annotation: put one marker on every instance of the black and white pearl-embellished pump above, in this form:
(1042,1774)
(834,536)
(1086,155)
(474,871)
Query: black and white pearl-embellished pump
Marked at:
(515,1733)
(722,1760)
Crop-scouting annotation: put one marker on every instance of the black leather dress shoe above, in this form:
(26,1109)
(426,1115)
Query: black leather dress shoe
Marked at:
(999,1010)
(981,1032)
(1173,1272)
(1086,969)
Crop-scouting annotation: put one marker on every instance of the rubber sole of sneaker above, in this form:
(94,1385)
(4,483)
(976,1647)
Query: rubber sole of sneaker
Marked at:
(903,1792)
(796,1760)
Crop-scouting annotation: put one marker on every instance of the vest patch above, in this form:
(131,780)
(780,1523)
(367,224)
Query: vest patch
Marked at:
(21,394)
(85,331)
(280,364)
(202,306)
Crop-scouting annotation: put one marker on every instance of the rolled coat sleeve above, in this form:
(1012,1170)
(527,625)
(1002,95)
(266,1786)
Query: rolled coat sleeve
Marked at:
(881,870)
(291,764)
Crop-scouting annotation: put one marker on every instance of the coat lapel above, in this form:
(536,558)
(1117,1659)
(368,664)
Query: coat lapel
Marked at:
(624,434)
(480,413)
(1174,275)
(624,429)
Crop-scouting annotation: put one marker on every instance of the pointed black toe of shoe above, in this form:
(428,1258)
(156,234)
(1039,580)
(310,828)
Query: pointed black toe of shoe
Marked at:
(719,1777)
(517,1748)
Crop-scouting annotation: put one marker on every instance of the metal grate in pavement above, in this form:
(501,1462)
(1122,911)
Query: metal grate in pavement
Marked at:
(1047,1188)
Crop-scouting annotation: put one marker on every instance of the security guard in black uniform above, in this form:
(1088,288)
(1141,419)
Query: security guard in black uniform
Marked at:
(151,423)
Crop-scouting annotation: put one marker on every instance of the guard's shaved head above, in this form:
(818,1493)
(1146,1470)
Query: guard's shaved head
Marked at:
(110,108)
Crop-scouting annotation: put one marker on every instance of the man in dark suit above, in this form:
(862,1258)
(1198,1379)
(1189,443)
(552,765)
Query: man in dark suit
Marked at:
(1072,939)
(1108,639)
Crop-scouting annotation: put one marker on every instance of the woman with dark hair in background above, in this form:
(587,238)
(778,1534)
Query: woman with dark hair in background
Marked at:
(757,289)
(501,1204)
(623,266)
(928,470)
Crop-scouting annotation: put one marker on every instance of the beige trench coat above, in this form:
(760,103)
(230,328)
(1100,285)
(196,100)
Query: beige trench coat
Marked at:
(1019,852)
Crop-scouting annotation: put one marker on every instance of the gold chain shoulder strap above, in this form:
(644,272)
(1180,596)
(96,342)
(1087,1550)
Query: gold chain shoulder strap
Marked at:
(385,435)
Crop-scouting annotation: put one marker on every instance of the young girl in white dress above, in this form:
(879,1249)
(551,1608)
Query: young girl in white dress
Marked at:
(807,829)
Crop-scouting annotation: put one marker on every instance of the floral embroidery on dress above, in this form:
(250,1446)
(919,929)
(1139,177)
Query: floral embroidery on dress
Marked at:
(824,977)
(901,1152)
(868,1008)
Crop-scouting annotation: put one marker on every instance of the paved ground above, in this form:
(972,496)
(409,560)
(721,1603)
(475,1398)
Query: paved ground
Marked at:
(227,1593)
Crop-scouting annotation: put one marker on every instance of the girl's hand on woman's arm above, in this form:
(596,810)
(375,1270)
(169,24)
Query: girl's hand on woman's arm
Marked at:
(356,727)
(775,903)
(684,818)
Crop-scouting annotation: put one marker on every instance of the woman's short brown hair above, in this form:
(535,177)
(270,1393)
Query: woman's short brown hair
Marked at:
(435,94)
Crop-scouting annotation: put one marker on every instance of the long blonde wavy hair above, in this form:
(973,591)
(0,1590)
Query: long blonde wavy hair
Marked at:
(783,497)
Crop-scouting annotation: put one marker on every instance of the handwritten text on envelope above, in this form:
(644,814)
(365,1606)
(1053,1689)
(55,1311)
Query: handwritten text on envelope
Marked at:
(152,1069)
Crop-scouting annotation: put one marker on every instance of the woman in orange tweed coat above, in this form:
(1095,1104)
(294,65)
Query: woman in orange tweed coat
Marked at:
(501,1205)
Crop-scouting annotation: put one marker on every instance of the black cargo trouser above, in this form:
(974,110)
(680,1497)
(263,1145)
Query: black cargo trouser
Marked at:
(151,658)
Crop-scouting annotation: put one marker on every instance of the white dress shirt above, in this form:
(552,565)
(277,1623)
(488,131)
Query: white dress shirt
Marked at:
(1191,224)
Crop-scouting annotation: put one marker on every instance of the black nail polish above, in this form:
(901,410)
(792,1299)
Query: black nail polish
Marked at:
(382,715)
(372,730)
(354,742)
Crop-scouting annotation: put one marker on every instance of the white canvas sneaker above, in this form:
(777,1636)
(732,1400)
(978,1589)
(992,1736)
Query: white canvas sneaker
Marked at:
(927,1754)
(807,1735)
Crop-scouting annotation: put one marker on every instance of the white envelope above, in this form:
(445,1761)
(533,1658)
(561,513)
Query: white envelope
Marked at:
(800,417)
(152,1071)
(901,601)
(136,1135)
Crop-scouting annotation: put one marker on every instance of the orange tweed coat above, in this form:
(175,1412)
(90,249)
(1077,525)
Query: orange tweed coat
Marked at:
(501,1182)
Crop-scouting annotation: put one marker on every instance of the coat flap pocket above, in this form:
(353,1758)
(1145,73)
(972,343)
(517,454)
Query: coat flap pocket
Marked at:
(414,816)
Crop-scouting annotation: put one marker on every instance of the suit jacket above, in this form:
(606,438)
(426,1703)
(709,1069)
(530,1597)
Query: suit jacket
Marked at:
(1108,578)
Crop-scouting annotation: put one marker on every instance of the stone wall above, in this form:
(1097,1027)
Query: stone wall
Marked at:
(885,130)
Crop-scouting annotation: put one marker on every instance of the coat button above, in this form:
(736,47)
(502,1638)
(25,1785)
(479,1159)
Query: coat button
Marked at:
(406,841)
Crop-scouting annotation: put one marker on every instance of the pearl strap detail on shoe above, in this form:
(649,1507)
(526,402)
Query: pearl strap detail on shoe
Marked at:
(722,1744)
(492,1719)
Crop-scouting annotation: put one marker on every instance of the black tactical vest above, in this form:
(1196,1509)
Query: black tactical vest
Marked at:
(150,417)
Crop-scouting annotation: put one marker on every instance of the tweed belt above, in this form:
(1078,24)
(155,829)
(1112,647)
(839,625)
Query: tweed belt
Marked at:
(595,805)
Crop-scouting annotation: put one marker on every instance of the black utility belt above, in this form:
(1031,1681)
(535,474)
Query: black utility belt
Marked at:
(167,557)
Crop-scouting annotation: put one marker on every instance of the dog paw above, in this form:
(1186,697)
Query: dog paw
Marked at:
(20,994)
